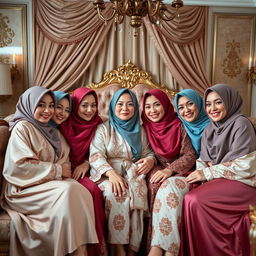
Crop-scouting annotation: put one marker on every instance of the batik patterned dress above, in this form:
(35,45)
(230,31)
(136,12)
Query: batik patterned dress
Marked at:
(110,151)
(166,198)
(48,216)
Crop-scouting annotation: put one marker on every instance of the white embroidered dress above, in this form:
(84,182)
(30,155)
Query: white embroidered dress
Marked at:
(110,151)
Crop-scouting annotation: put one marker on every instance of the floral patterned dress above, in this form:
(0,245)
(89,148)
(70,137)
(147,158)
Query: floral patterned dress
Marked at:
(125,214)
(166,198)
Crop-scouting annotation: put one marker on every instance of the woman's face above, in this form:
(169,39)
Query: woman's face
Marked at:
(62,111)
(187,109)
(215,107)
(87,107)
(154,110)
(124,109)
(45,109)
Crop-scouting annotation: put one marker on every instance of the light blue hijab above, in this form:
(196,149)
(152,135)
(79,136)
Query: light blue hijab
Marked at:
(194,129)
(59,95)
(129,130)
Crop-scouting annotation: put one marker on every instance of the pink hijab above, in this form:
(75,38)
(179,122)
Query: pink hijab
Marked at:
(165,135)
(78,132)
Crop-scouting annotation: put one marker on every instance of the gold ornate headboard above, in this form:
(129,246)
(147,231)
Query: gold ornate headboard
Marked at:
(126,76)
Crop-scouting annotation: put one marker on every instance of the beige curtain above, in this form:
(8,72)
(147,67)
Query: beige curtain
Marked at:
(73,47)
(182,46)
(67,37)
(120,46)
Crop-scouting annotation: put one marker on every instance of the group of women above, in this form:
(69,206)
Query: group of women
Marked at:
(74,184)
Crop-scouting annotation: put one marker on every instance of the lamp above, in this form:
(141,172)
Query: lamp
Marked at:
(137,9)
(5,81)
(14,68)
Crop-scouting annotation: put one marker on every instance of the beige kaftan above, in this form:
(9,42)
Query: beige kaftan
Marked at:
(50,216)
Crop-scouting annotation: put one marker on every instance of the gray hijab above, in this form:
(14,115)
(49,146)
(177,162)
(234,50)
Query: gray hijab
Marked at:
(232,137)
(25,109)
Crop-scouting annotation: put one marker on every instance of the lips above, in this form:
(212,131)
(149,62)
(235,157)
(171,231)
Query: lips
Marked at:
(215,114)
(189,115)
(154,116)
(46,116)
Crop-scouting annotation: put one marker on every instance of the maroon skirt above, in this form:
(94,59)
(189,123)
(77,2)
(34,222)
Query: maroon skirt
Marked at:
(216,220)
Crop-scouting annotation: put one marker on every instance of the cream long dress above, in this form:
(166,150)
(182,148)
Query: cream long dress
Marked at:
(110,151)
(50,216)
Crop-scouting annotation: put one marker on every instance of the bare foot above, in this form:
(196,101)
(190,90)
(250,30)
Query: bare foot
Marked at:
(119,250)
(155,251)
(80,251)
(131,252)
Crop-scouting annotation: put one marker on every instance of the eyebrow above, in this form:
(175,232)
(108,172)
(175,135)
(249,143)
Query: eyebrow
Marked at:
(125,101)
(216,99)
(181,104)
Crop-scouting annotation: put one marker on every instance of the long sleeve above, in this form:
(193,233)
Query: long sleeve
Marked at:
(242,169)
(187,157)
(108,149)
(30,159)
(147,151)
(98,153)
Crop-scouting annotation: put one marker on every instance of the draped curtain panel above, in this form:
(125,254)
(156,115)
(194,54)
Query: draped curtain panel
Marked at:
(74,47)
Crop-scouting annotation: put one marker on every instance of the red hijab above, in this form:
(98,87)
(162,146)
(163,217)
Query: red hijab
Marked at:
(78,132)
(164,136)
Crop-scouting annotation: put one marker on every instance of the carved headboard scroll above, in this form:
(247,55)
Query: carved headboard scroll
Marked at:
(126,76)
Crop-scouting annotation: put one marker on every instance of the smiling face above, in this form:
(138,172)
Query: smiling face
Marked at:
(215,107)
(62,111)
(187,109)
(154,110)
(45,109)
(87,108)
(124,108)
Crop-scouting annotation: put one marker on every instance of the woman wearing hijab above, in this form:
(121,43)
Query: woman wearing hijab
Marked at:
(38,191)
(166,183)
(79,130)
(189,106)
(120,157)
(62,108)
(216,220)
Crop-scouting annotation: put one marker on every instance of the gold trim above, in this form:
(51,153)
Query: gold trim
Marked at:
(252,209)
(128,76)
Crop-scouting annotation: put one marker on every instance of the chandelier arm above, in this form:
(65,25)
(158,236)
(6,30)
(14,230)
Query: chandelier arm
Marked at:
(125,8)
(105,18)
(119,18)
(153,13)
(164,17)
(152,20)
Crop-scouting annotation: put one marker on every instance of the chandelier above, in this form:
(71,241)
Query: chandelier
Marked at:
(137,9)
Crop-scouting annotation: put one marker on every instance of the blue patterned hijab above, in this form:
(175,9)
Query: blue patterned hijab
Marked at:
(130,129)
(194,129)
(59,95)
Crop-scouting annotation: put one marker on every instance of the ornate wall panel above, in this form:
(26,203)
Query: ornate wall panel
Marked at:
(233,46)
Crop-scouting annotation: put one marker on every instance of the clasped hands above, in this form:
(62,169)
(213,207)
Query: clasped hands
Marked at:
(119,184)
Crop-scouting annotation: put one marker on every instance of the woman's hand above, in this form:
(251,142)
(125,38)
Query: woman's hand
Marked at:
(66,170)
(160,176)
(80,171)
(145,165)
(195,176)
(118,183)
